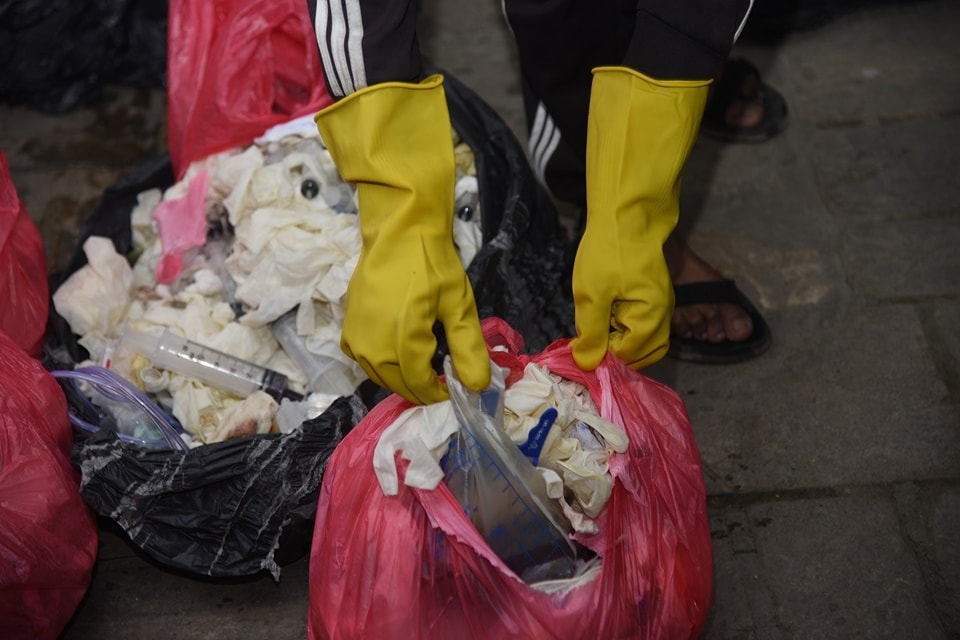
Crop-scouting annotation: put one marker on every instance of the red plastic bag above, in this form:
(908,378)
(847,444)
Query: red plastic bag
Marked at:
(413,566)
(48,536)
(24,293)
(235,68)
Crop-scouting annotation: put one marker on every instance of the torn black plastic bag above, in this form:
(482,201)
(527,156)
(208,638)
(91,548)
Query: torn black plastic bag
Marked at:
(211,511)
(230,508)
(522,272)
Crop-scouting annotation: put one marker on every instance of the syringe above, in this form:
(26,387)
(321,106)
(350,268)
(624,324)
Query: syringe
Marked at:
(223,371)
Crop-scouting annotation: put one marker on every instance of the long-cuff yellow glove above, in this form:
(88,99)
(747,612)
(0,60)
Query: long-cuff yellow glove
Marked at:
(640,132)
(394,141)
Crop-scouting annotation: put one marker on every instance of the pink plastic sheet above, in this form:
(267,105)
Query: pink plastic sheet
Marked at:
(24,293)
(48,536)
(235,68)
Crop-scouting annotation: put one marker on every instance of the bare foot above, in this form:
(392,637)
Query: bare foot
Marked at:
(710,322)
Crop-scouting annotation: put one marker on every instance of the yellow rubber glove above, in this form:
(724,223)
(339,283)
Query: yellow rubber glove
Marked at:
(394,141)
(640,133)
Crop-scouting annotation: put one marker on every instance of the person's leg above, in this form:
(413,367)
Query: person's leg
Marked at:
(742,107)
(715,323)
(559,43)
(366,43)
(691,40)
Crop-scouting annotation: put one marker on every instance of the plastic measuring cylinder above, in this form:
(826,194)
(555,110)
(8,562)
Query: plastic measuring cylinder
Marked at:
(193,360)
(324,373)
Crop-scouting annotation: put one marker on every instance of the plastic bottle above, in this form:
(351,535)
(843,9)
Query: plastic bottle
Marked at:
(324,372)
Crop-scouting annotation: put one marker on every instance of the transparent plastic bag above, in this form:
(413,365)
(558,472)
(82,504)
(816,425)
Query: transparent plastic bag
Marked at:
(499,488)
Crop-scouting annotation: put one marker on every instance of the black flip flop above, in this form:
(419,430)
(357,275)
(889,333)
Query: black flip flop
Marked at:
(726,91)
(728,352)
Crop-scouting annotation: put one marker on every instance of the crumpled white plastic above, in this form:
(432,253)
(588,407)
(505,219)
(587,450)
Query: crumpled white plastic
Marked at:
(574,458)
(94,299)
(422,435)
(584,471)
(288,251)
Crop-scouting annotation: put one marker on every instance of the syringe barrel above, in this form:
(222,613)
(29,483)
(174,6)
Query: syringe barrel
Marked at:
(216,368)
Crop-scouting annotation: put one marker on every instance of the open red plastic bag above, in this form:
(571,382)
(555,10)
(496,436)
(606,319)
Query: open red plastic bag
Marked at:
(413,566)
(234,69)
(24,294)
(48,536)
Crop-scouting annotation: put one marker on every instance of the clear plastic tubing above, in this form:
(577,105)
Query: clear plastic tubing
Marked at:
(190,359)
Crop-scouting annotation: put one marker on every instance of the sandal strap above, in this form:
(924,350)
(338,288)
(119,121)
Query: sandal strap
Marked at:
(711,292)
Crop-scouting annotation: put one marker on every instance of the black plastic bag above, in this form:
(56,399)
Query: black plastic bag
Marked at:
(57,54)
(225,509)
(238,507)
(522,272)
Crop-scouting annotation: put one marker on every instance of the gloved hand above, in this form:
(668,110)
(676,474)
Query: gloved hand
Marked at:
(394,141)
(639,135)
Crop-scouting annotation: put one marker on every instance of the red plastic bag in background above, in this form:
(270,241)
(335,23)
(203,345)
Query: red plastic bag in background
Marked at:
(24,293)
(414,566)
(48,536)
(235,68)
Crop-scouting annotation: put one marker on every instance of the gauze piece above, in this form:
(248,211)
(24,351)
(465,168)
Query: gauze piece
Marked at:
(252,416)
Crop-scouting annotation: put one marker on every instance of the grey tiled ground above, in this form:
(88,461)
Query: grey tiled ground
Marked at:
(833,461)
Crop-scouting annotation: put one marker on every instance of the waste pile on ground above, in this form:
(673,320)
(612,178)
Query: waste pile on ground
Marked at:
(232,308)
(246,504)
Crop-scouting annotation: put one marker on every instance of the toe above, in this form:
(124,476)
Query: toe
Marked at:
(716,329)
(680,324)
(737,323)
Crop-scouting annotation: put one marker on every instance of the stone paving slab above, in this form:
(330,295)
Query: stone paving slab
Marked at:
(901,170)
(853,402)
(883,63)
(930,522)
(767,194)
(59,201)
(131,597)
(941,319)
(905,259)
(822,567)
(127,126)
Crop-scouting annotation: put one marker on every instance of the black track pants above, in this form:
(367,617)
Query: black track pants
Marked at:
(365,42)
(560,41)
